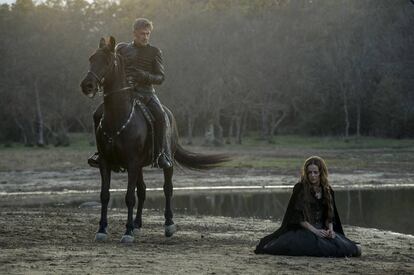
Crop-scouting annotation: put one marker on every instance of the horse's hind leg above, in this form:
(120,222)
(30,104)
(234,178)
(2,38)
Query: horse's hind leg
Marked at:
(128,237)
(141,190)
(102,233)
(169,226)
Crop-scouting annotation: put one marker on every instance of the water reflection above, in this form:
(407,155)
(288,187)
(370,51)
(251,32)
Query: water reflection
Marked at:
(384,209)
(389,209)
(237,204)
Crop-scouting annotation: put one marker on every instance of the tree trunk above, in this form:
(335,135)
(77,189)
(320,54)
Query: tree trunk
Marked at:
(243,126)
(238,129)
(230,132)
(39,117)
(219,133)
(209,134)
(346,113)
(265,128)
(62,138)
(358,122)
(190,123)
(23,132)
(275,125)
(31,132)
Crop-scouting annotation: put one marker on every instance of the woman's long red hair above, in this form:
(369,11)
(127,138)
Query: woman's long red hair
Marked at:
(323,173)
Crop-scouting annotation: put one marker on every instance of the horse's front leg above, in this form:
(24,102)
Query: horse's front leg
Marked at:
(128,237)
(105,171)
(169,226)
(141,194)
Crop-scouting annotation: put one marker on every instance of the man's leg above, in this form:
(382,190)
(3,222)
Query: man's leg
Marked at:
(94,159)
(162,150)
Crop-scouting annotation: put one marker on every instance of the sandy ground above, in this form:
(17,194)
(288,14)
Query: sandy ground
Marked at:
(60,241)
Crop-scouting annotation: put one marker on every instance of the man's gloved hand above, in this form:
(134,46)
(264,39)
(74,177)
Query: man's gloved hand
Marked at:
(141,76)
(145,77)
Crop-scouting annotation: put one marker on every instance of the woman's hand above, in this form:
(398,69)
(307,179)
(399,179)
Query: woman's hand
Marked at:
(321,233)
(331,233)
(318,232)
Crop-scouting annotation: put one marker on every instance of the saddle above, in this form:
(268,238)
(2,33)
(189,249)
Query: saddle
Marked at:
(139,105)
(150,120)
(141,102)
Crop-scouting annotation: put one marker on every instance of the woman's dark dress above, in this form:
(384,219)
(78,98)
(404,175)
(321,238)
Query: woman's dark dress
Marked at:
(294,240)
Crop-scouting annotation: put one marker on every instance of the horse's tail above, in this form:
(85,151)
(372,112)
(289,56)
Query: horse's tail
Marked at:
(198,161)
(189,159)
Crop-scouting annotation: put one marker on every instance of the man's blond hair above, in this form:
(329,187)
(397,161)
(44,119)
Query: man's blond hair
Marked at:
(142,23)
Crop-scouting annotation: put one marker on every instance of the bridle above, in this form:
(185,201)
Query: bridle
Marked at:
(101,80)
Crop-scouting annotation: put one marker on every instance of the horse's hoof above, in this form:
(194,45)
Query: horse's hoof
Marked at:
(170,230)
(101,237)
(127,239)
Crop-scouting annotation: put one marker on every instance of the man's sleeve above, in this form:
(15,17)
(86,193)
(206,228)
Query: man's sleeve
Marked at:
(157,75)
(158,68)
(119,47)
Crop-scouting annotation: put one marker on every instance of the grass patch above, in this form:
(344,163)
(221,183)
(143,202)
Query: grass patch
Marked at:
(312,142)
(285,155)
(82,141)
(78,141)
(275,163)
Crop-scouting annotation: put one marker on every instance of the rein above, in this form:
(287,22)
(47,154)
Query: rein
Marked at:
(119,131)
(101,80)
(117,91)
(101,90)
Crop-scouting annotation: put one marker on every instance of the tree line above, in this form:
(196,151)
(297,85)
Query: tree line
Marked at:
(233,67)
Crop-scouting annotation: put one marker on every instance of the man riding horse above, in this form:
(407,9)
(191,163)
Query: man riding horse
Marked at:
(143,69)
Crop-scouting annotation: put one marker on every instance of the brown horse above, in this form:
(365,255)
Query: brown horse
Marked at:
(124,140)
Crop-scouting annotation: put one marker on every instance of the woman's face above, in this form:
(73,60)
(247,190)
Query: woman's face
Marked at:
(313,174)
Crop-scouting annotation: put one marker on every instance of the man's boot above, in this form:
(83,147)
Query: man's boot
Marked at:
(94,160)
(162,160)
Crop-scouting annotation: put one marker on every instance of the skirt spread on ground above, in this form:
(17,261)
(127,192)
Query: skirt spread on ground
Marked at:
(303,242)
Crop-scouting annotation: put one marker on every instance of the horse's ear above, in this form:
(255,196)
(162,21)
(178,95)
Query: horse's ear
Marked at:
(111,44)
(102,43)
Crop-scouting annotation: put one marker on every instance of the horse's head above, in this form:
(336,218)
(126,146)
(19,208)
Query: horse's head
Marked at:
(100,65)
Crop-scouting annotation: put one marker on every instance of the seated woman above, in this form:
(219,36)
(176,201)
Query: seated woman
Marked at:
(311,225)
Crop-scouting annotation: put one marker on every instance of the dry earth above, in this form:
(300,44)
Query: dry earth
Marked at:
(60,241)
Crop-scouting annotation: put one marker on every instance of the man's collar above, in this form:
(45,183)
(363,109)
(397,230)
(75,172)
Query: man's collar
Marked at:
(138,46)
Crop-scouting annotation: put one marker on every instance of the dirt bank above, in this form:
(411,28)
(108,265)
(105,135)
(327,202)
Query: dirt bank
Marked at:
(89,179)
(60,241)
